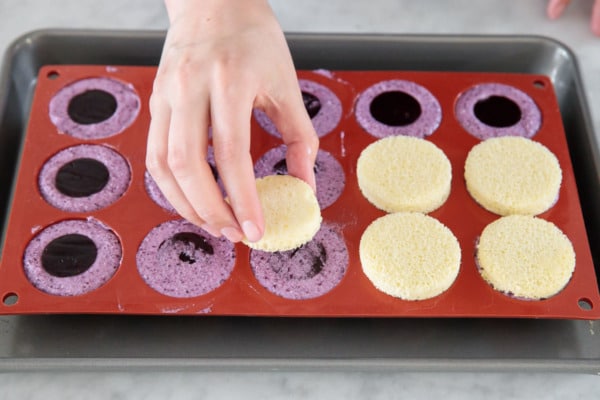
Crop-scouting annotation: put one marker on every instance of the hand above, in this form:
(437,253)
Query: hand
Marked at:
(222,58)
(556,8)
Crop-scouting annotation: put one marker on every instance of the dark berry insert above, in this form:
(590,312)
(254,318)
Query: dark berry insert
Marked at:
(82,177)
(395,108)
(497,111)
(311,103)
(92,106)
(189,239)
(312,257)
(69,255)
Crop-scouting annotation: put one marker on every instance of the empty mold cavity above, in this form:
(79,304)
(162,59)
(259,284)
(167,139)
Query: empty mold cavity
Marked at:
(94,108)
(179,259)
(84,178)
(398,107)
(309,271)
(493,110)
(72,257)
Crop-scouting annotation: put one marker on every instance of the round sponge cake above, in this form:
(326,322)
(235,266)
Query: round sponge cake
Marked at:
(525,257)
(513,175)
(402,173)
(291,212)
(410,255)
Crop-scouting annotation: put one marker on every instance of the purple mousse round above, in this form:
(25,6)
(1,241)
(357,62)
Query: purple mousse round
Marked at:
(102,123)
(179,259)
(119,178)
(306,272)
(159,198)
(326,118)
(526,126)
(104,266)
(429,116)
(329,174)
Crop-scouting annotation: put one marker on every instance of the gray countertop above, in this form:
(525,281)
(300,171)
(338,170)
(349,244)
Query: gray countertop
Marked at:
(377,16)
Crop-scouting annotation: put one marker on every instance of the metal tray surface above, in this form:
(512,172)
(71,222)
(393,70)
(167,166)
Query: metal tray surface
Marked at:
(76,342)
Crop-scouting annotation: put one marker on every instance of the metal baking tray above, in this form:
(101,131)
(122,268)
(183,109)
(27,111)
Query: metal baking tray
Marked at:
(76,342)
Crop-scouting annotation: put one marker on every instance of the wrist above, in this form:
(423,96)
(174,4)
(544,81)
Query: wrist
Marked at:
(211,9)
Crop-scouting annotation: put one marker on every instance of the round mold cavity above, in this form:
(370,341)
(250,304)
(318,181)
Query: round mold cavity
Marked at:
(94,108)
(329,173)
(84,178)
(493,110)
(159,198)
(322,105)
(398,107)
(309,271)
(72,257)
(179,259)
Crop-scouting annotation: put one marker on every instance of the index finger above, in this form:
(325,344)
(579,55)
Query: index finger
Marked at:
(298,133)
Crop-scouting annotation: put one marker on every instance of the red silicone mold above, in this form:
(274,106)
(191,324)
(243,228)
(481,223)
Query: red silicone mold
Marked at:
(135,214)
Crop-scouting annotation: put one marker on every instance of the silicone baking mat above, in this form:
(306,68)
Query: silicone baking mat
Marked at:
(134,215)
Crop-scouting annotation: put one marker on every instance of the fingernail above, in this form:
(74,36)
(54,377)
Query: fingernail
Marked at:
(251,231)
(232,234)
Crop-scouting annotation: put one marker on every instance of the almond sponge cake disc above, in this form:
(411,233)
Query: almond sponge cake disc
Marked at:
(513,175)
(410,255)
(525,257)
(402,173)
(291,212)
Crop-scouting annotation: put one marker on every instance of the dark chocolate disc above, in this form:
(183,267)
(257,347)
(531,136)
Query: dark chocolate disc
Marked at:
(497,111)
(69,255)
(92,106)
(395,108)
(311,103)
(82,177)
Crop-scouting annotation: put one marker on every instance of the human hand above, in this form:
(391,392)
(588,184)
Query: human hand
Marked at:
(222,58)
(556,8)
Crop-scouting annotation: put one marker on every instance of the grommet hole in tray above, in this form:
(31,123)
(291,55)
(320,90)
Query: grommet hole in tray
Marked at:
(585,304)
(10,299)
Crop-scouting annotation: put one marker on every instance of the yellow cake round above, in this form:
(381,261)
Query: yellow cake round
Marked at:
(403,173)
(410,255)
(525,257)
(513,175)
(291,212)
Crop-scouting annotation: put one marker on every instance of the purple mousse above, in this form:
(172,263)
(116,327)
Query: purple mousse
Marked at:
(94,108)
(494,110)
(84,178)
(329,174)
(398,107)
(72,257)
(306,272)
(322,105)
(179,259)
(159,198)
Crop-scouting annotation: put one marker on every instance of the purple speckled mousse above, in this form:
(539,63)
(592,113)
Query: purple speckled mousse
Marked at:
(323,106)
(306,272)
(179,259)
(159,198)
(65,244)
(421,120)
(527,123)
(94,108)
(72,165)
(329,174)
